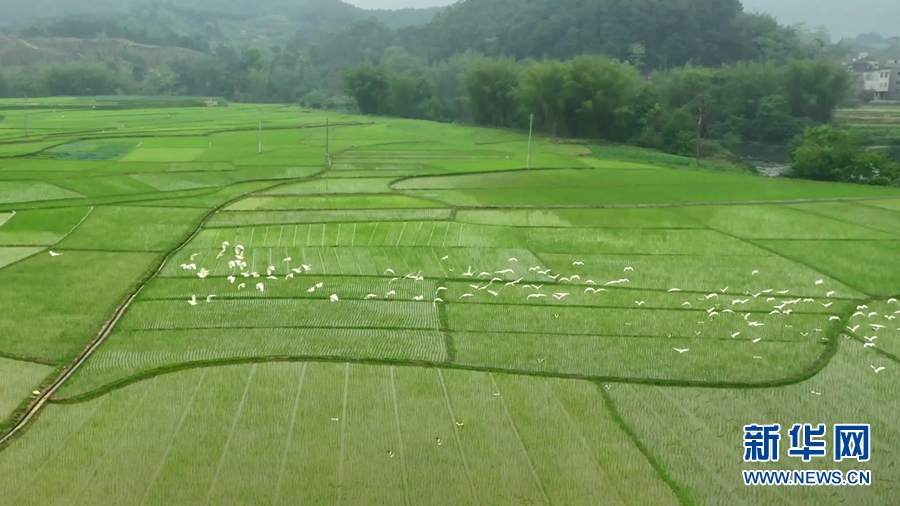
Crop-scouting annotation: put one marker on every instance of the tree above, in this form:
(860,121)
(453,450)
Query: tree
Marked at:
(825,153)
(370,86)
(490,86)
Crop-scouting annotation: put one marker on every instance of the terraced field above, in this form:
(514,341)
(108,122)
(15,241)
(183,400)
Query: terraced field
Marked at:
(424,322)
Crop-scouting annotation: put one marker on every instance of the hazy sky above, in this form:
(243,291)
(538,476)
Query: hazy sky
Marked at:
(842,17)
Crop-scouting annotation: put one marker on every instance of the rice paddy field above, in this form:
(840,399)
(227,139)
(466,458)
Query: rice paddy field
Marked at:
(186,318)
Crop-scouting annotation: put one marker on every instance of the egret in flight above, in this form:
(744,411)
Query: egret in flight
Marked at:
(55,254)
(680,350)
(193,300)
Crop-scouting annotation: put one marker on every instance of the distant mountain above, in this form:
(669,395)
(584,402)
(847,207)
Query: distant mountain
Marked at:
(324,13)
(842,18)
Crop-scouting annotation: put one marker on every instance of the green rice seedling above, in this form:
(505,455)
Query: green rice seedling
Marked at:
(877,325)
(367,470)
(591,472)
(38,322)
(695,433)
(867,266)
(13,254)
(235,313)
(167,154)
(129,354)
(26,191)
(332,185)
(663,323)
(336,202)
(132,228)
(634,357)
(18,379)
(108,185)
(234,218)
(755,278)
(182,180)
(777,222)
(636,241)
(870,217)
(892,204)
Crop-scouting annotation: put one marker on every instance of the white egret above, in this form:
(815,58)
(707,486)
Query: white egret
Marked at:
(371,296)
(756,324)
(306,267)
(869,345)
(783,292)
(832,318)
(436,300)
(877,369)
(440,288)
(209,298)
(755,272)
(536,295)
(589,282)
(231,279)
(203,273)
(739,301)
(775,311)
(242,285)
(466,295)
(712,295)
(628,269)
(297,270)
(876,326)
(288,259)
(445,257)
(513,259)
(820,281)
(870,338)
(513,283)
(419,297)
(334,297)
(688,304)
(735,334)
(862,307)
(873,313)
(577,263)
(681,350)
(505,271)
(670,290)
(639,302)
(562,279)
(194,256)
(270,269)
(892,301)
(261,287)
(826,305)
(193,300)
(271,277)
(254,274)
(859,313)
(560,295)
(829,294)
(754,341)
(390,293)
(468,273)
(289,276)
(575,277)
(589,289)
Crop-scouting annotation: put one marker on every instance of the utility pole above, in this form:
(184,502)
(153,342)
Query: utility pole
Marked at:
(530,125)
(26,115)
(699,123)
(259,148)
(327,154)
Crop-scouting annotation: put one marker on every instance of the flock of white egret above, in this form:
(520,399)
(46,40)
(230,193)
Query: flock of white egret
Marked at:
(487,279)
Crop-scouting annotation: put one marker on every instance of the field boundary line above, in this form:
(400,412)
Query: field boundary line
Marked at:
(61,239)
(7,218)
(23,358)
(340,469)
(22,418)
(290,435)
(534,474)
(588,448)
(811,369)
(839,220)
(681,493)
(234,423)
(459,445)
(396,402)
(165,456)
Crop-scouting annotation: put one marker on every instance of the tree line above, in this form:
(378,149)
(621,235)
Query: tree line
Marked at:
(592,97)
